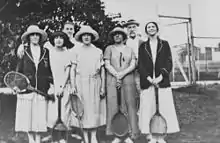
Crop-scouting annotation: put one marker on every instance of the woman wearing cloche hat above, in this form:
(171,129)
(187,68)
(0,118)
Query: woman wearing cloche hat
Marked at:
(155,64)
(120,64)
(88,77)
(31,107)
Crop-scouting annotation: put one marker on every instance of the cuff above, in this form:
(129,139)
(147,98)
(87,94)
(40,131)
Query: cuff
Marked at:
(164,72)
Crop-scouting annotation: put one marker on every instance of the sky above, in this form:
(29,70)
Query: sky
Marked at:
(205,17)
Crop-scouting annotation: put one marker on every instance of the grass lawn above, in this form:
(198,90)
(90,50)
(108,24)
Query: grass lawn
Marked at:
(198,109)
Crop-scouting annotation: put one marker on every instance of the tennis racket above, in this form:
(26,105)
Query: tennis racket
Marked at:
(158,124)
(60,131)
(19,82)
(120,124)
(78,109)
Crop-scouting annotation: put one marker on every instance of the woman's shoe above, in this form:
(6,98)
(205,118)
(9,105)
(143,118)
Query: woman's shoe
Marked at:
(116,140)
(161,141)
(128,140)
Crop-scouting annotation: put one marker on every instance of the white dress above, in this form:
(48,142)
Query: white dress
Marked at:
(59,60)
(88,82)
(166,105)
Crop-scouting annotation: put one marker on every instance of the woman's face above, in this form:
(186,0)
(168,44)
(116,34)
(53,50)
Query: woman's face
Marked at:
(87,38)
(58,41)
(118,37)
(34,38)
(68,29)
(151,29)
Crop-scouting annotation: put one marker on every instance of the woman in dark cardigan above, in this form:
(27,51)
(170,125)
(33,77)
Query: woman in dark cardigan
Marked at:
(155,65)
(31,107)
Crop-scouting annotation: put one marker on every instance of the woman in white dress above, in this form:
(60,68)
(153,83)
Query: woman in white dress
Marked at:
(35,64)
(88,78)
(60,66)
(155,65)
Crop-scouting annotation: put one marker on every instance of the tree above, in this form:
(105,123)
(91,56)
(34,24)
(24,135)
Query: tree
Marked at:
(17,15)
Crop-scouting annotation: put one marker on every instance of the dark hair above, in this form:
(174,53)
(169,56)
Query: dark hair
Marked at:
(67,43)
(28,38)
(125,37)
(154,24)
(92,37)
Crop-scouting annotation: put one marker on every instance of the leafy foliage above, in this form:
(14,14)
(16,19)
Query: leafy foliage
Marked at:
(17,15)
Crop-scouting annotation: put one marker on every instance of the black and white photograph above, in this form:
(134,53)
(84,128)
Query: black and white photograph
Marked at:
(109,71)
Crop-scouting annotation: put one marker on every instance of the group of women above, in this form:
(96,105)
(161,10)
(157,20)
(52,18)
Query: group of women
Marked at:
(67,64)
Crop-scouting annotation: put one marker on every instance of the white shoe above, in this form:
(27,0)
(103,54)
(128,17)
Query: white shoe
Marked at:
(62,141)
(46,139)
(161,141)
(116,140)
(78,137)
(152,140)
(128,140)
(93,139)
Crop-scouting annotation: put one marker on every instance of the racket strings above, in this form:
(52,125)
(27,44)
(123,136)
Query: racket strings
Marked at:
(16,80)
(120,125)
(158,125)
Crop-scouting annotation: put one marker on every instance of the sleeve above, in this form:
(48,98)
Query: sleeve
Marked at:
(73,56)
(101,58)
(20,63)
(50,75)
(132,54)
(20,51)
(141,62)
(107,53)
(47,45)
(167,68)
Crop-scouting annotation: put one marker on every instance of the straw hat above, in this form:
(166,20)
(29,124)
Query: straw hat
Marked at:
(67,42)
(118,30)
(34,29)
(131,21)
(86,30)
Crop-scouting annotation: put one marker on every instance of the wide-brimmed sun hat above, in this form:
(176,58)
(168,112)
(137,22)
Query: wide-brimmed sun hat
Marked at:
(118,30)
(130,22)
(86,30)
(67,42)
(34,29)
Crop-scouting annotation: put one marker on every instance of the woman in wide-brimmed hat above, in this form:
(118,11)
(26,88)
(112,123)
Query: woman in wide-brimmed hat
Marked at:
(88,78)
(155,64)
(31,107)
(120,64)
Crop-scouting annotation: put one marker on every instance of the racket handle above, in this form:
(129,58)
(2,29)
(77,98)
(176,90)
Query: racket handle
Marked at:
(47,96)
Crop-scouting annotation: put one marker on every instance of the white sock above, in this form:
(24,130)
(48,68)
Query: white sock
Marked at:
(31,138)
(86,137)
(37,138)
(93,137)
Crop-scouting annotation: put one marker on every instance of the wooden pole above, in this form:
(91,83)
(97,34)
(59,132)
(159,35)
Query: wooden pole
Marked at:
(192,48)
(188,51)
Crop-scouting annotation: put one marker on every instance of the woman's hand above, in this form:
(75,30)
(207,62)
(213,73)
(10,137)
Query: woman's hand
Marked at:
(118,83)
(102,92)
(158,79)
(60,91)
(121,75)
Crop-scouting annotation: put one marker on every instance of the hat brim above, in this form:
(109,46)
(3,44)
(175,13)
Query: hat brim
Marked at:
(80,33)
(41,32)
(130,23)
